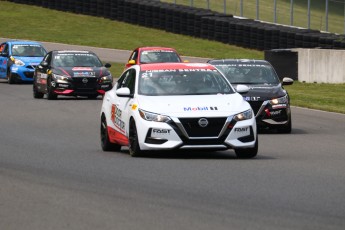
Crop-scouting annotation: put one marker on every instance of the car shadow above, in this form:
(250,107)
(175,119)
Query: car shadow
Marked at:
(194,154)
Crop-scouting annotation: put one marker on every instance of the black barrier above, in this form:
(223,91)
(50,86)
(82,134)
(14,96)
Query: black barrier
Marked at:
(197,22)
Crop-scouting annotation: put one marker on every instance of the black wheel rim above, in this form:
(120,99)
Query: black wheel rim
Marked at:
(104,135)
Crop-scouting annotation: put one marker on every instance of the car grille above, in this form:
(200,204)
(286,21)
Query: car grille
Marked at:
(91,85)
(193,129)
(29,74)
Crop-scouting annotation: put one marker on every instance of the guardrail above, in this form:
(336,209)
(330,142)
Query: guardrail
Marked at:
(196,22)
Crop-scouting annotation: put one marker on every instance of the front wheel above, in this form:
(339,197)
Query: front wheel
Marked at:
(105,142)
(50,91)
(247,153)
(134,148)
(10,78)
(36,93)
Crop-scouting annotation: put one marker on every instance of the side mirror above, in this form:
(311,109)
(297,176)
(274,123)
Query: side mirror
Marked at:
(3,54)
(131,62)
(44,64)
(242,89)
(123,92)
(107,65)
(287,81)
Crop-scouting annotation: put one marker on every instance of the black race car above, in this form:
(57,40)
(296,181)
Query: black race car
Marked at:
(269,100)
(71,73)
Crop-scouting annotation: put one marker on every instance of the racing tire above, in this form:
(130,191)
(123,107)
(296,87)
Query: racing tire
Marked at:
(134,148)
(36,93)
(247,153)
(10,78)
(287,128)
(50,92)
(105,142)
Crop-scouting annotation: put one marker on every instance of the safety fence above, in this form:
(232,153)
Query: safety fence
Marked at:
(197,22)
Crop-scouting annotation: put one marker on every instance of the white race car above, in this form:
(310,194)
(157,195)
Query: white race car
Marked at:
(171,106)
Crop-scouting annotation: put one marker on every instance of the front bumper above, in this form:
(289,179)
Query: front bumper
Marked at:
(221,133)
(270,116)
(78,88)
(23,73)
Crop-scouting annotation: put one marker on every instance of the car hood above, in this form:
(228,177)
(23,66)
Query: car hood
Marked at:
(194,105)
(82,71)
(264,91)
(29,60)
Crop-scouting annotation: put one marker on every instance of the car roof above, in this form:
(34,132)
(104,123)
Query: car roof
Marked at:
(17,42)
(176,65)
(155,48)
(73,51)
(238,61)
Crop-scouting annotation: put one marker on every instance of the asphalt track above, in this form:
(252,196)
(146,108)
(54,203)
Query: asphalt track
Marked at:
(54,175)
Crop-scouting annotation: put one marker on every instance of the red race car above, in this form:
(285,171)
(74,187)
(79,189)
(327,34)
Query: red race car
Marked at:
(143,55)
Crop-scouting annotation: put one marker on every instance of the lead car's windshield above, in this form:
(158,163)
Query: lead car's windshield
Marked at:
(182,82)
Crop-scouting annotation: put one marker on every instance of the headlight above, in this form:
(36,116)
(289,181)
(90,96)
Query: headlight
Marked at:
(106,79)
(153,116)
(246,115)
(281,100)
(60,78)
(19,62)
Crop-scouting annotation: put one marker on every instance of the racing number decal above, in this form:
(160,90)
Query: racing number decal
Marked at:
(116,118)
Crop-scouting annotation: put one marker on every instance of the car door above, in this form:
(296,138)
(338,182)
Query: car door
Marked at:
(3,60)
(42,72)
(122,106)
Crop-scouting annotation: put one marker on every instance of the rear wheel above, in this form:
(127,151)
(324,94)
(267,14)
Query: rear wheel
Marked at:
(35,91)
(134,148)
(105,142)
(247,153)
(50,91)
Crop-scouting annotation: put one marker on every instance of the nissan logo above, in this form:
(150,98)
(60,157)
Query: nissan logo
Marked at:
(85,80)
(203,122)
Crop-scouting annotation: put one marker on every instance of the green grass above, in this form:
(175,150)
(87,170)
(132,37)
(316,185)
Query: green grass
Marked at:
(36,23)
(266,11)
(328,97)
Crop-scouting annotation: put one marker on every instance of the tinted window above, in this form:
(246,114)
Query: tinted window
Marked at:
(25,50)
(67,59)
(159,56)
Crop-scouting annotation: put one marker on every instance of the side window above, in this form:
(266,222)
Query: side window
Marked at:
(5,49)
(2,46)
(134,55)
(48,58)
(127,80)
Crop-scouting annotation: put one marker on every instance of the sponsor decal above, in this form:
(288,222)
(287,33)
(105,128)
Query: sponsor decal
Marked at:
(161,131)
(200,108)
(105,86)
(5,62)
(82,69)
(42,75)
(276,112)
(252,98)
(63,85)
(84,74)
(116,114)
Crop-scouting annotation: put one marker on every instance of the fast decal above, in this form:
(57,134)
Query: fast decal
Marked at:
(241,129)
(116,114)
(200,108)
(275,113)
(5,62)
(161,131)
